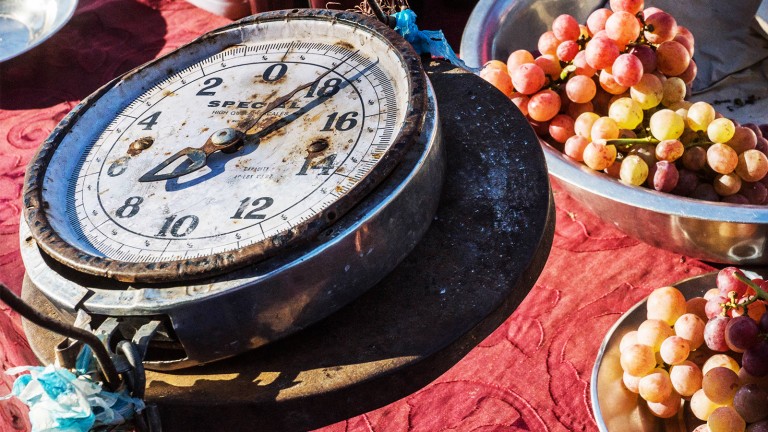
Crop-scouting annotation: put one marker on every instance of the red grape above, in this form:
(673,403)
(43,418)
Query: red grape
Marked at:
(544,105)
(663,176)
(727,282)
(741,333)
(755,359)
(596,20)
(631,6)
(627,70)
(528,78)
(548,43)
(622,27)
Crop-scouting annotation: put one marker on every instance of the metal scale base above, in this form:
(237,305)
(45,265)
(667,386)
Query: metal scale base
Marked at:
(479,259)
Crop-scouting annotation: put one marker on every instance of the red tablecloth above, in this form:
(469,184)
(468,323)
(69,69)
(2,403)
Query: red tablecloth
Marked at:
(531,374)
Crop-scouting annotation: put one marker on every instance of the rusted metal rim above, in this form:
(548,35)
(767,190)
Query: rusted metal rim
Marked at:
(50,241)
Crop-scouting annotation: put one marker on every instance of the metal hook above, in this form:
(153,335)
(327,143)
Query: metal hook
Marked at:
(386,19)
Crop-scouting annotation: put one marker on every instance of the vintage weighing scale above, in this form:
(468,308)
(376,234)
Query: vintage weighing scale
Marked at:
(287,169)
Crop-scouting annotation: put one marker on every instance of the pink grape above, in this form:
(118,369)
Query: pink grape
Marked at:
(686,378)
(576,109)
(582,67)
(528,78)
(580,89)
(627,70)
(584,123)
(574,147)
(720,385)
(662,27)
(685,38)
(725,419)
(599,157)
(609,84)
(519,57)
(714,333)
(567,50)
(713,307)
(741,333)
(604,128)
(666,408)
(752,165)
(548,43)
(721,158)
(669,150)
(495,72)
(601,52)
(672,58)
(727,282)
(630,6)
(521,101)
(743,139)
(596,20)
(690,72)
(690,327)
(544,105)
(566,28)
(561,128)
(550,65)
(622,27)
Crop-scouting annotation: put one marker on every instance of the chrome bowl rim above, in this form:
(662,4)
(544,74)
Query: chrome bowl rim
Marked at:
(61,19)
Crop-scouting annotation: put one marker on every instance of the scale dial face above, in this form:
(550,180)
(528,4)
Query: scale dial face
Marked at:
(247,141)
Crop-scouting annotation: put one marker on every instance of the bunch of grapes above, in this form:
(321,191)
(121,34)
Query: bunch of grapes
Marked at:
(711,351)
(611,94)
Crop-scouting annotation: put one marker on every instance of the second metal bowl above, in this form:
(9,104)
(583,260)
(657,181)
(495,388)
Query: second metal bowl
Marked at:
(717,232)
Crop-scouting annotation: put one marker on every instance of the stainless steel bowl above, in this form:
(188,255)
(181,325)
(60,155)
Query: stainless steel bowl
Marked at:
(710,231)
(25,24)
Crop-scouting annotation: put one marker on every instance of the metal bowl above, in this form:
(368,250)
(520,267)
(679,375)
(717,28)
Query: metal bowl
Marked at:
(25,24)
(717,232)
(615,407)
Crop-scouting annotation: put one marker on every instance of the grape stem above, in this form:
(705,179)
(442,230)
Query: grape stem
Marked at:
(629,142)
(760,293)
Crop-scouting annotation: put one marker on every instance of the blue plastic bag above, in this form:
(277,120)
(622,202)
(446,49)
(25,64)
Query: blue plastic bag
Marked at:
(426,41)
(59,400)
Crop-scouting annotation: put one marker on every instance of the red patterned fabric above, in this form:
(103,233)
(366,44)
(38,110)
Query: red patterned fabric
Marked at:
(531,374)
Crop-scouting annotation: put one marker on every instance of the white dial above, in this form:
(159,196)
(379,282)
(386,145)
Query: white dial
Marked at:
(329,136)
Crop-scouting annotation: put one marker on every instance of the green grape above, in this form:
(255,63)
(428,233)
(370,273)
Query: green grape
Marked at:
(604,128)
(638,360)
(626,113)
(674,350)
(631,382)
(691,327)
(700,115)
(726,419)
(721,130)
(720,385)
(628,340)
(674,91)
(701,406)
(656,386)
(666,124)
(583,124)
(652,332)
(686,378)
(666,304)
(720,360)
(634,170)
(666,408)
(648,92)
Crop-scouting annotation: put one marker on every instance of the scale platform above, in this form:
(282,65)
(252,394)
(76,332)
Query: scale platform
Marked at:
(480,257)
